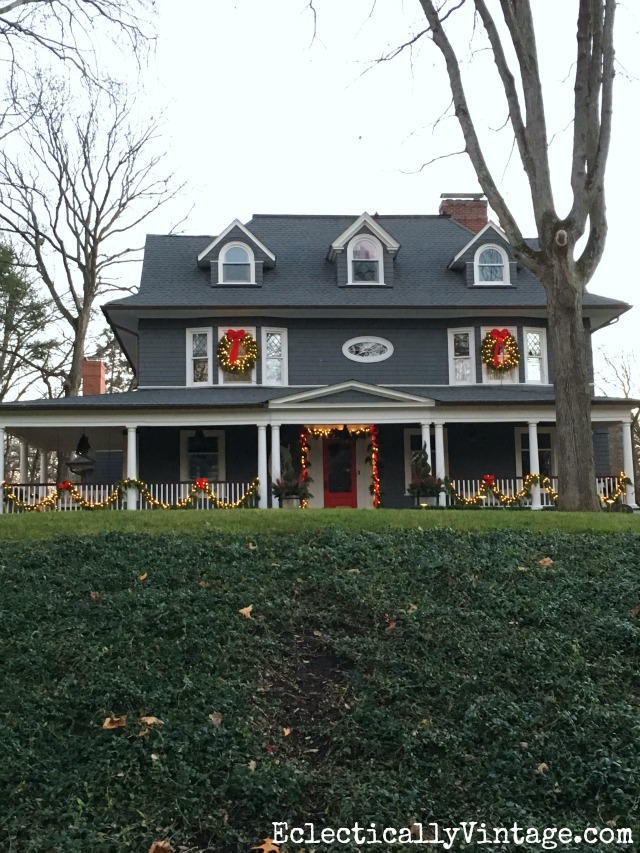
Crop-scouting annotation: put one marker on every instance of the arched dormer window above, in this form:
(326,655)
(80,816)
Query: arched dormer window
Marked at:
(364,257)
(236,265)
(491,266)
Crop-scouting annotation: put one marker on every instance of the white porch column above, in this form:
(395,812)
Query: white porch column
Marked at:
(627,456)
(42,473)
(132,466)
(1,467)
(534,463)
(262,465)
(439,472)
(425,429)
(23,458)
(275,458)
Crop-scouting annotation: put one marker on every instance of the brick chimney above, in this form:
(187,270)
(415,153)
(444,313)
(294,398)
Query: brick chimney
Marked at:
(94,375)
(469,209)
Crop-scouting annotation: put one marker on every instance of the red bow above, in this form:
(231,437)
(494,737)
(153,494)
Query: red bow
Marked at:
(236,338)
(489,480)
(201,483)
(499,336)
(64,487)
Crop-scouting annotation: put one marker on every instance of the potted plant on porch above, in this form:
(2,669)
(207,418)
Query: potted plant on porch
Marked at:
(289,488)
(423,484)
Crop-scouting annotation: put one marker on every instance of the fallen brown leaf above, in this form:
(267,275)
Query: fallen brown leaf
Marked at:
(542,767)
(246,611)
(204,584)
(545,562)
(634,611)
(353,571)
(252,546)
(143,577)
(391,623)
(252,766)
(155,756)
(286,731)
(151,721)
(317,633)
(267,846)
(94,596)
(412,608)
(113,722)
(161,847)
(216,719)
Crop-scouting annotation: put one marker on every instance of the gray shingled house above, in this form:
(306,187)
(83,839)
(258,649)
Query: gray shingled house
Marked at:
(366,330)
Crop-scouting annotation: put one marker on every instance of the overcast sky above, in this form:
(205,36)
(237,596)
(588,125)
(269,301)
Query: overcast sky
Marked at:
(263,117)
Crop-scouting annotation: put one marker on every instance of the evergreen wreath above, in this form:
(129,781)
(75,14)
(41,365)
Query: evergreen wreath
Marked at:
(237,351)
(500,351)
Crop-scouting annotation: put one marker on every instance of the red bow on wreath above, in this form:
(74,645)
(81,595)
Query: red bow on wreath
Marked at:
(489,480)
(499,336)
(201,483)
(235,337)
(64,487)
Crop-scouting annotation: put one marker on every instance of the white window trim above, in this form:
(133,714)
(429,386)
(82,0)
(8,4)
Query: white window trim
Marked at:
(209,433)
(236,244)
(472,355)
(379,258)
(513,376)
(519,432)
(222,376)
(544,370)
(285,353)
(374,358)
(506,281)
(190,380)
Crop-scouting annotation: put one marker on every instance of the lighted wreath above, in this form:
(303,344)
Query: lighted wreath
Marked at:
(500,351)
(237,351)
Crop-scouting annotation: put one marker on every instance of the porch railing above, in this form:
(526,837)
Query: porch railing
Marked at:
(30,496)
(468,489)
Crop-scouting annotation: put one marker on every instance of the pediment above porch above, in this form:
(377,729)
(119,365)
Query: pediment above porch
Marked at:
(351,393)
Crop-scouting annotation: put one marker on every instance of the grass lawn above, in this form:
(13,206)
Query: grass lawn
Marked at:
(426,669)
(46,524)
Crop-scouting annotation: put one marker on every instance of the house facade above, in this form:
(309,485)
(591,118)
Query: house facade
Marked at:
(341,343)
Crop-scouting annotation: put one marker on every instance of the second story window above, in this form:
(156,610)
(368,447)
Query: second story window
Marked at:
(365,261)
(491,266)
(535,365)
(236,265)
(274,357)
(199,356)
(462,364)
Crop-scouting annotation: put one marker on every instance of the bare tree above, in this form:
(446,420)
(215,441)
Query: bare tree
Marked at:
(621,375)
(82,185)
(563,271)
(34,33)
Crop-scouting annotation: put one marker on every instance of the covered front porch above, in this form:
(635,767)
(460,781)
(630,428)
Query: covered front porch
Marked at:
(352,446)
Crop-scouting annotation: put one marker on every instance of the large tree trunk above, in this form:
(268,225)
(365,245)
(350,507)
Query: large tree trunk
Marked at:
(74,379)
(574,436)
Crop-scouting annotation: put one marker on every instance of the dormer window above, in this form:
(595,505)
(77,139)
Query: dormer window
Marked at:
(491,266)
(236,265)
(365,261)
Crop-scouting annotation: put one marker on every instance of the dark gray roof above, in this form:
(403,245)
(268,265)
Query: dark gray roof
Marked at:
(303,276)
(259,397)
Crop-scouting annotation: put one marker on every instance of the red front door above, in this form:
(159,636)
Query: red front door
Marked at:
(339,462)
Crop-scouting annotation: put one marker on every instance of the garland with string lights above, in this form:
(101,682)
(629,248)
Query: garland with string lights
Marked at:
(199,489)
(237,351)
(373,459)
(488,484)
(304,464)
(500,351)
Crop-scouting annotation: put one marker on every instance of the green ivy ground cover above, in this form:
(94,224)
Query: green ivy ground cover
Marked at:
(424,675)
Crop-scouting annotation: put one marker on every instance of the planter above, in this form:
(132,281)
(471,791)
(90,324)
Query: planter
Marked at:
(292,502)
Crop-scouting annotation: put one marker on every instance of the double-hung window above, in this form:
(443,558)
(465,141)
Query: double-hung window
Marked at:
(199,356)
(462,363)
(535,356)
(274,357)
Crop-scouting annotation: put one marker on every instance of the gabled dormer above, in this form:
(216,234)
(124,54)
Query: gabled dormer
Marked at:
(487,260)
(364,254)
(237,258)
